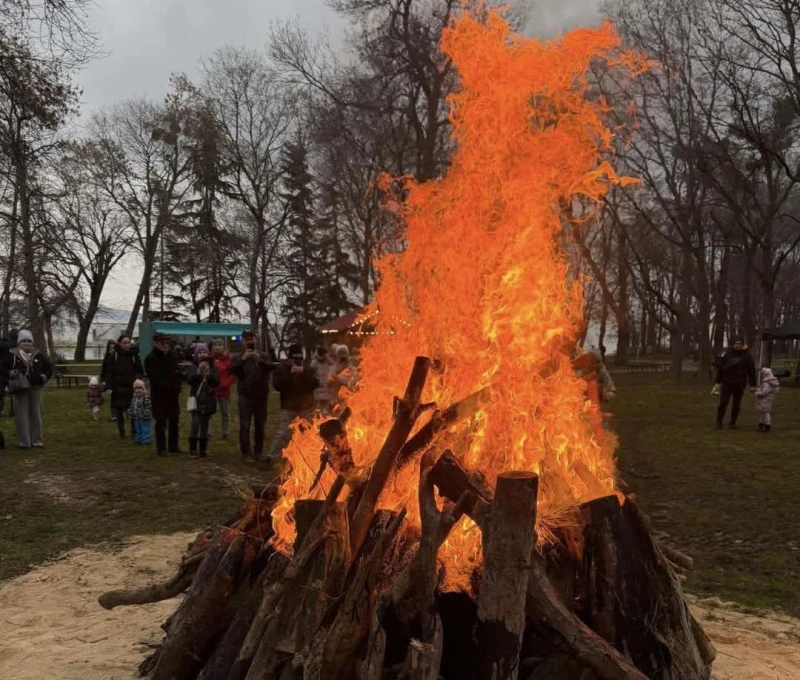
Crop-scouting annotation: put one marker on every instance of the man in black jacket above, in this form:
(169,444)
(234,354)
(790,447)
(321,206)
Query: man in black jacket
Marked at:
(296,382)
(165,391)
(252,368)
(735,368)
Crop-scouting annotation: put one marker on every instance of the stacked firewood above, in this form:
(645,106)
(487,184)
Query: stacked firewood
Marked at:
(359,598)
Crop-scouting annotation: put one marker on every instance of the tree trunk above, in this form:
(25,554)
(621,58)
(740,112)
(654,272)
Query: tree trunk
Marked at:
(86,322)
(11,271)
(748,323)
(721,302)
(623,309)
(508,540)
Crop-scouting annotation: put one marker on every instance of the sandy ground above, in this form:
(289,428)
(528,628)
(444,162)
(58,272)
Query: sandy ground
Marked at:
(52,628)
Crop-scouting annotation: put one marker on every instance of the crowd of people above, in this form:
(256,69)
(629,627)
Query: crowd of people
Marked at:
(145,396)
(211,373)
(305,387)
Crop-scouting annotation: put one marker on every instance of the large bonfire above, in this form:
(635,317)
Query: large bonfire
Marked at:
(354,567)
(483,286)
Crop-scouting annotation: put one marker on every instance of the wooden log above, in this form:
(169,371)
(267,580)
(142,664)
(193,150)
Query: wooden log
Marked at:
(371,668)
(508,540)
(424,659)
(347,623)
(455,482)
(406,412)
(305,603)
(544,608)
(188,644)
(155,592)
(542,603)
(632,596)
(224,656)
(440,421)
(258,648)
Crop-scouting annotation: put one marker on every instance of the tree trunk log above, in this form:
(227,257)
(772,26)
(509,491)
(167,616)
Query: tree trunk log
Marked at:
(407,410)
(347,622)
(508,540)
(425,658)
(441,420)
(187,644)
(224,656)
(637,604)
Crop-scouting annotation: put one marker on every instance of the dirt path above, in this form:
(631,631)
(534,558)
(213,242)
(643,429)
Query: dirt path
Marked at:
(51,626)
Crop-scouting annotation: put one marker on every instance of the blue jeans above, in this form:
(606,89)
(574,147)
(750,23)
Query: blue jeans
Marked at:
(141,430)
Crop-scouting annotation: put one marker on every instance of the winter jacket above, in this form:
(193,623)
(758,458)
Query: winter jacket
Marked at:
(164,374)
(94,396)
(296,389)
(765,394)
(253,376)
(204,389)
(119,371)
(141,408)
(226,378)
(736,368)
(324,369)
(38,372)
(5,347)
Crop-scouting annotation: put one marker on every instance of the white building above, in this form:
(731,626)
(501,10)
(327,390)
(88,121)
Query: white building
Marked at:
(108,324)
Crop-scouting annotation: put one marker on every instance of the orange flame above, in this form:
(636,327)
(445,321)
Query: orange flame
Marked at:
(483,284)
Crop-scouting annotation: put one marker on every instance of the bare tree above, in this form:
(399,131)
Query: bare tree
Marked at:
(138,159)
(256,115)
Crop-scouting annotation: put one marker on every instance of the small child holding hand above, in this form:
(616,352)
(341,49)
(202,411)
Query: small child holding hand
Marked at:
(141,413)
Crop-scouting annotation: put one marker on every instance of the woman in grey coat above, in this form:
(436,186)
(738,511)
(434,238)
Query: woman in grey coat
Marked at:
(25,371)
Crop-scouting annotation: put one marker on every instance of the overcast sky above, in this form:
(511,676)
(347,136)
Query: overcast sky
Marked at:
(147,40)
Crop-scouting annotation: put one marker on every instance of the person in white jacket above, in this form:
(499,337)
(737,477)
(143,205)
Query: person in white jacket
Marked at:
(322,363)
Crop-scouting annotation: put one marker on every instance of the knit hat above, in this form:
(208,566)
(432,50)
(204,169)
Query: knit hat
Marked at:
(200,348)
(138,384)
(94,382)
(24,335)
(342,351)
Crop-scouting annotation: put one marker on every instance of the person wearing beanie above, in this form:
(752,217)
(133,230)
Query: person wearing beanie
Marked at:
(121,368)
(94,396)
(735,368)
(25,371)
(141,413)
(296,382)
(252,368)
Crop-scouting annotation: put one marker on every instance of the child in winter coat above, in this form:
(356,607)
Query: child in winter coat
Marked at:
(765,395)
(94,397)
(203,385)
(141,413)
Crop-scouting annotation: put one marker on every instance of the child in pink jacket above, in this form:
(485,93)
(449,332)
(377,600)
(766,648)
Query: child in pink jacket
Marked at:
(765,395)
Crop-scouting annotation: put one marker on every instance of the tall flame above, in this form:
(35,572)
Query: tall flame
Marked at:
(483,284)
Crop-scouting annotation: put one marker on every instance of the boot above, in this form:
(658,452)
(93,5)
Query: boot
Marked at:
(733,425)
(761,427)
(719,425)
(767,428)
(192,447)
(203,447)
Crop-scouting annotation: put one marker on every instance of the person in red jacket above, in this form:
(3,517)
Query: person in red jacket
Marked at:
(222,362)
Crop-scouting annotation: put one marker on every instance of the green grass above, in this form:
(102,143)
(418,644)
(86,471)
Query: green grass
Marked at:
(88,486)
(727,498)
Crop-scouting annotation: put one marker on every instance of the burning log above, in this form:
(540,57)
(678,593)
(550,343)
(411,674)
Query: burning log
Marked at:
(508,540)
(406,411)
(372,609)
